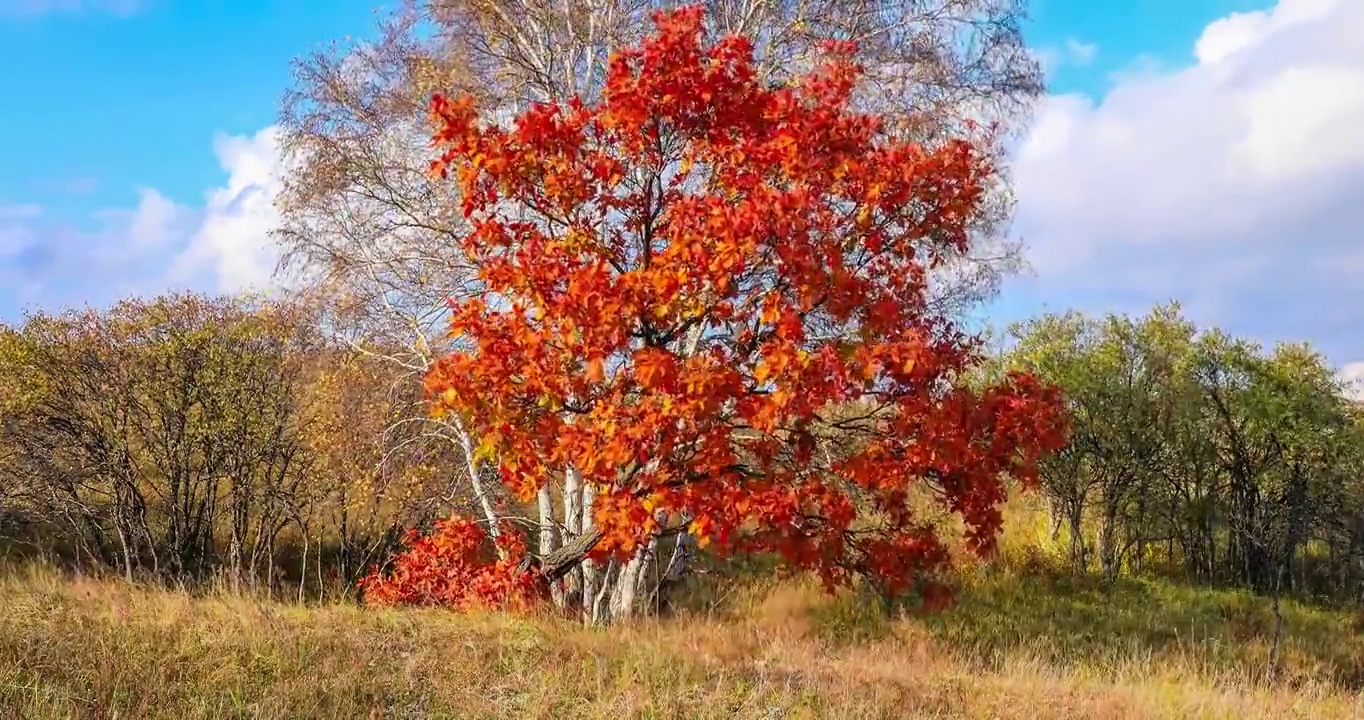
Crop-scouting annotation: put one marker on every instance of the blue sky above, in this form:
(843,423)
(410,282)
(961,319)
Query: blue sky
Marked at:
(1122,34)
(134,99)
(107,100)
(1186,152)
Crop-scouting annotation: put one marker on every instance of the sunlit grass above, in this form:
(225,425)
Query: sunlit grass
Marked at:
(1024,640)
(1015,646)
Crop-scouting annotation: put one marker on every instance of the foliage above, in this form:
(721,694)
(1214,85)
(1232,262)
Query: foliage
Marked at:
(1228,462)
(361,219)
(451,567)
(373,470)
(188,438)
(156,430)
(688,281)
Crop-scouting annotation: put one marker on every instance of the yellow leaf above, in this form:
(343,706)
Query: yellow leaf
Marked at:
(762,372)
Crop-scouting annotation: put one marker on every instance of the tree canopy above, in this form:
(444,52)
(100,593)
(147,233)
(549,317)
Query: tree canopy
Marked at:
(706,307)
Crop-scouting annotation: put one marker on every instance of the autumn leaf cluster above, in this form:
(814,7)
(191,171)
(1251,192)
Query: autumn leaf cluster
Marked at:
(455,566)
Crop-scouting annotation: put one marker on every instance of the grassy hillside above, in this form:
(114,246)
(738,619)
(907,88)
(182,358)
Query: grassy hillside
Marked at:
(1019,645)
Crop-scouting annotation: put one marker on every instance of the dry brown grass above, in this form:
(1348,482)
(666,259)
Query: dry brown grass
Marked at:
(92,648)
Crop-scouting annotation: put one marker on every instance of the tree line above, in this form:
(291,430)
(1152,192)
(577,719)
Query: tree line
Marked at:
(188,438)
(1201,453)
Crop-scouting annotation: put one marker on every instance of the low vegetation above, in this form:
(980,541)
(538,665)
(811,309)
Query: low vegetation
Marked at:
(1023,641)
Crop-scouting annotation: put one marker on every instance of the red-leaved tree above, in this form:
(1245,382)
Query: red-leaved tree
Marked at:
(705,324)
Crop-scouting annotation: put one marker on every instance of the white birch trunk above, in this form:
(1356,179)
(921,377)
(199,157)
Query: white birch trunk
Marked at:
(485,502)
(631,580)
(623,594)
(573,527)
(615,591)
(549,536)
(676,569)
(589,570)
(599,610)
(677,564)
(573,501)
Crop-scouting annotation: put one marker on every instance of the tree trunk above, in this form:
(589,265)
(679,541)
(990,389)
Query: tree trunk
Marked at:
(676,570)
(573,527)
(549,537)
(1078,553)
(588,569)
(599,610)
(303,566)
(485,503)
(632,579)
(1274,648)
(127,553)
(1109,556)
(1057,518)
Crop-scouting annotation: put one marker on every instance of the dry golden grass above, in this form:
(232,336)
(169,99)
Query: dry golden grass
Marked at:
(94,648)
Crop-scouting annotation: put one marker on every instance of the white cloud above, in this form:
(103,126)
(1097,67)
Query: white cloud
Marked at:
(15,231)
(1072,52)
(49,260)
(1081,52)
(154,246)
(1352,375)
(232,243)
(1303,122)
(1243,31)
(19,212)
(1235,185)
(153,223)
